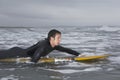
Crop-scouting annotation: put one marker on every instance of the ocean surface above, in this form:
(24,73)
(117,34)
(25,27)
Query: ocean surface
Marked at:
(88,40)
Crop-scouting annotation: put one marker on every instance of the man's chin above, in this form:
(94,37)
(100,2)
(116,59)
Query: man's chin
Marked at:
(57,44)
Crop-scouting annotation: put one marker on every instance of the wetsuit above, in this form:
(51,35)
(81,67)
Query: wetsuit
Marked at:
(42,48)
(14,52)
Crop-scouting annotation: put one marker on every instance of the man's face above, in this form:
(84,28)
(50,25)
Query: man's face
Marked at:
(57,39)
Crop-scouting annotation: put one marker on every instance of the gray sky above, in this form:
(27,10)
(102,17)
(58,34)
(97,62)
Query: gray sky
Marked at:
(59,12)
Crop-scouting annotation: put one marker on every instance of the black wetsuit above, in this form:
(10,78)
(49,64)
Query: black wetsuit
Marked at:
(41,49)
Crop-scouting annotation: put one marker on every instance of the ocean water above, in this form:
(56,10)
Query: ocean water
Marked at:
(88,40)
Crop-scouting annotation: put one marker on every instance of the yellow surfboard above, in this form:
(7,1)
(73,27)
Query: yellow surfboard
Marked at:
(58,59)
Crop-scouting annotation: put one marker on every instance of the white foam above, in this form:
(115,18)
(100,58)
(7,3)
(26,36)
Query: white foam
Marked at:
(76,65)
(69,71)
(115,59)
(10,77)
(55,77)
(107,28)
(110,69)
(92,69)
(66,71)
(9,69)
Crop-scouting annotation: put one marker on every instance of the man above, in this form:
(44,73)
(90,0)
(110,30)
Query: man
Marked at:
(44,47)
(41,49)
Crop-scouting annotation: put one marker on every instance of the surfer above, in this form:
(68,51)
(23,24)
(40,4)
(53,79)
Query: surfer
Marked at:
(40,49)
(44,47)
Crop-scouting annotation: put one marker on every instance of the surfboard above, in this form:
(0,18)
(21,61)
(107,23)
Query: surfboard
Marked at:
(57,59)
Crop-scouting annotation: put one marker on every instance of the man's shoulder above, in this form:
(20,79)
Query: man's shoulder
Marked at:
(43,42)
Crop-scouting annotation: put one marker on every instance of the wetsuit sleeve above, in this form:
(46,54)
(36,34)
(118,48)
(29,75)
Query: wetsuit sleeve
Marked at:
(37,55)
(70,51)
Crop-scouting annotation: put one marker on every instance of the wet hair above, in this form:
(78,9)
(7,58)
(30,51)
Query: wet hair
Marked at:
(52,33)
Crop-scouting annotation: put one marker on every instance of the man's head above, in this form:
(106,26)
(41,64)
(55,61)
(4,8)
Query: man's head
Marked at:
(54,37)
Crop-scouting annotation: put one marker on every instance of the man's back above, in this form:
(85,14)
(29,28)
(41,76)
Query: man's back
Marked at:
(42,46)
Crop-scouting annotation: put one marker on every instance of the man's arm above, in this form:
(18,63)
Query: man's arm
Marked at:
(70,51)
(37,55)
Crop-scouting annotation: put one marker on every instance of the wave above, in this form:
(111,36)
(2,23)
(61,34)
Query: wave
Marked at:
(115,60)
(10,77)
(109,28)
(70,71)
